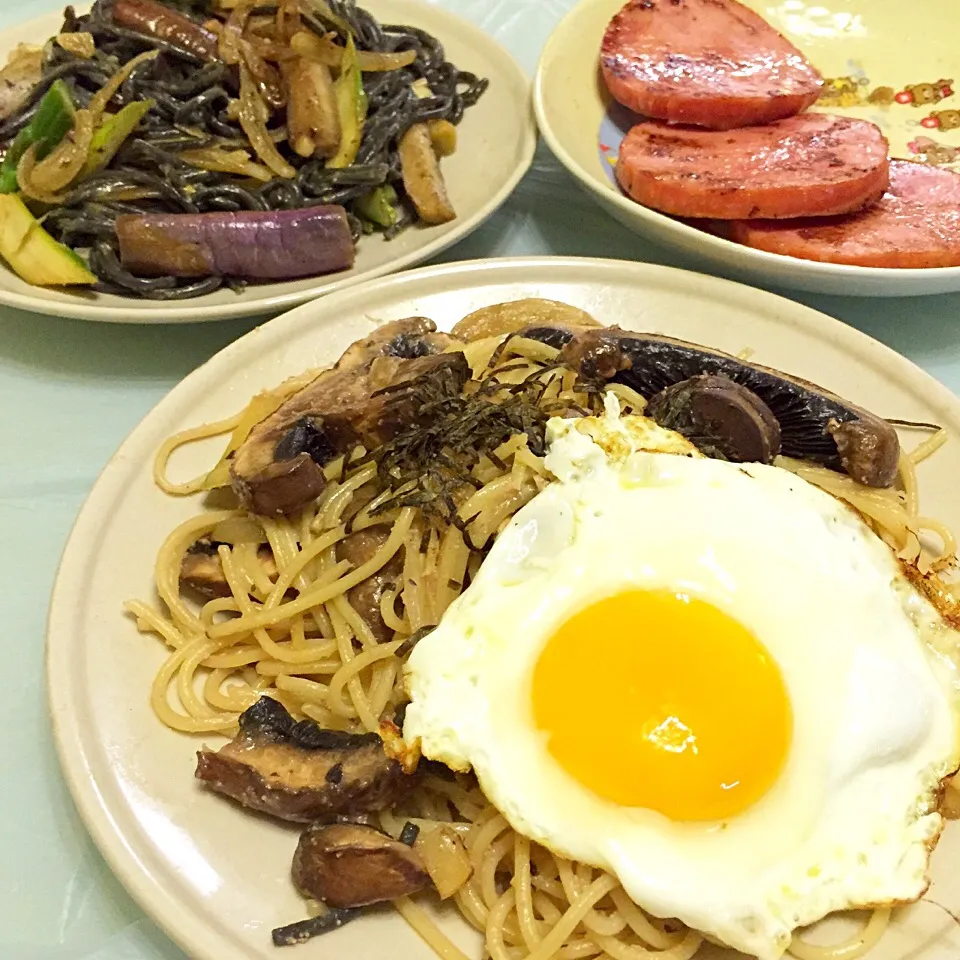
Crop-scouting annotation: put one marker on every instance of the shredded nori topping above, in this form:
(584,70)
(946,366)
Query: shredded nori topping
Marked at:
(430,465)
(296,933)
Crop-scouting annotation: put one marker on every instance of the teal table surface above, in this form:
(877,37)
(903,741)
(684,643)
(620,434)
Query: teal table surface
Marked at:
(70,391)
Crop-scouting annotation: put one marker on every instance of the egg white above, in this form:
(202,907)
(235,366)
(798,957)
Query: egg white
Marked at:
(852,818)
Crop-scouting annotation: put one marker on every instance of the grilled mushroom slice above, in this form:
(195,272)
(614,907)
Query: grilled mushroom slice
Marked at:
(556,335)
(723,419)
(202,572)
(407,339)
(351,865)
(279,467)
(301,772)
(814,424)
(359,548)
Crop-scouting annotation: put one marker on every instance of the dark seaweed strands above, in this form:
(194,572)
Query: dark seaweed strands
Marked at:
(191,113)
(429,466)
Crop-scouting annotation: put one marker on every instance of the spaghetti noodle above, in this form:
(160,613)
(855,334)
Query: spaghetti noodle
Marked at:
(288,628)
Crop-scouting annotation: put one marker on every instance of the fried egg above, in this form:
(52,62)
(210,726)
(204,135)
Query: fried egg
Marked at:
(710,679)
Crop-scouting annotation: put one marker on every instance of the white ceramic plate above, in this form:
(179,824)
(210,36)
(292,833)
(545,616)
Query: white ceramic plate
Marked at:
(870,51)
(216,878)
(497,139)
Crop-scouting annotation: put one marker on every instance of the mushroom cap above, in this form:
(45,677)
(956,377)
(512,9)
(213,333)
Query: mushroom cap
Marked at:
(723,418)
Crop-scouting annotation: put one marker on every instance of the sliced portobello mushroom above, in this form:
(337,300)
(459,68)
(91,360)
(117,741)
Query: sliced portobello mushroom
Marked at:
(301,772)
(202,572)
(349,865)
(359,548)
(278,469)
(815,424)
(556,335)
(407,339)
(723,419)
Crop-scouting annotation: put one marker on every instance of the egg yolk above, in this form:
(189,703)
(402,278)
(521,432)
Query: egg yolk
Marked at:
(662,701)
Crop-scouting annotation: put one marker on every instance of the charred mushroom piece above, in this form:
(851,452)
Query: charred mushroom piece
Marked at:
(202,572)
(279,467)
(556,335)
(350,865)
(809,416)
(722,418)
(863,453)
(407,339)
(301,772)
(359,548)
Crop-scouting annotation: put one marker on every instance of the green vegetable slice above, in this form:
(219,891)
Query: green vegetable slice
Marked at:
(50,124)
(33,253)
(112,133)
(352,106)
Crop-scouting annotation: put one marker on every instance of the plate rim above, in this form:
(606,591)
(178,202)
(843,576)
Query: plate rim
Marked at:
(678,232)
(190,928)
(193,311)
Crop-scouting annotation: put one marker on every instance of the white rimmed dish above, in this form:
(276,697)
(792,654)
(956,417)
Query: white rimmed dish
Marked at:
(497,139)
(860,44)
(217,878)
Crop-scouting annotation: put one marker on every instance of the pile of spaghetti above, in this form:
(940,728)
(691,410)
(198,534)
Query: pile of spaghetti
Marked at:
(223,111)
(287,629)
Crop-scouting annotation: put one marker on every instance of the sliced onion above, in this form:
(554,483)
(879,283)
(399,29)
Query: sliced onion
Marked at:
(236,48)
(288,20)
(446,860)
(238,530)
(261,25)
(322,9)
(24,173)
(231,36)
(253,113)
(308,44)
(41,181)
(79,44)
(266,48)
(267,78)
(226,161)
(105,94)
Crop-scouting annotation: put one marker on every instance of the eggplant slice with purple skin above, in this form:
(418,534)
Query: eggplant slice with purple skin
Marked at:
(249,245)
(179,34)
(300,772)
(814,424)
(160,22)
(367,397)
